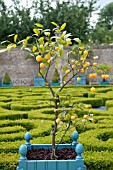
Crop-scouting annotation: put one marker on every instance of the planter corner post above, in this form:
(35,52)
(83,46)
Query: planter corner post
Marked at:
(22,160)
(75,137)
(28,137)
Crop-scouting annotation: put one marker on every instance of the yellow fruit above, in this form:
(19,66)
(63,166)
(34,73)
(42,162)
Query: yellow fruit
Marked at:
(47,56)
(90,76)
(42,65)
(41,46)
(94,64)
(73,66)
(82,70)
(64,82)
(49,61)
(66,44)
(58,120)
(73,117)
(85,65)
(103,76)
(67,71)
(93,89)
(55,110)
(72,62)
(85,53)
(107,76)
(88,63)
(39,58)
(78,79)
(85,117)
(56,48)
(86,106)
(94,75)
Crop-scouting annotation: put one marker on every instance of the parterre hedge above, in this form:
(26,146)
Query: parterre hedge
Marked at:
(30,109)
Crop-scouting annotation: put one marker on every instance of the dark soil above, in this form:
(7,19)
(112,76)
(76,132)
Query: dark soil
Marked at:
(45,154)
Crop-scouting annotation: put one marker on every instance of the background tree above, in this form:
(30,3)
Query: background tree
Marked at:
(76,14)
(103,32)
(4,20)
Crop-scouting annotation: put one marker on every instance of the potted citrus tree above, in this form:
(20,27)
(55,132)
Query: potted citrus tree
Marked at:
(48,50)
(6,80)
(103,71)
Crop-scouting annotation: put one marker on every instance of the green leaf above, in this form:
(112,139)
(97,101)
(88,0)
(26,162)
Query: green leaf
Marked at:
(34,48)
(15,37)
(9,47)
(77,40)
(57,62)
(61,41)
(54,23)
(47,33)
(3,50)
(39,25)
(65,77)
(62,26)
(11,35)
(43,72)
(14,46)
(65,68)
(61,52)
(28,49)
(27,38)
(36,31)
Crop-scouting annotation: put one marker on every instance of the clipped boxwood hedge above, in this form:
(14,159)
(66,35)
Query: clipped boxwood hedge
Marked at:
(13,116)
(97,139)
(34,103)
(95,160)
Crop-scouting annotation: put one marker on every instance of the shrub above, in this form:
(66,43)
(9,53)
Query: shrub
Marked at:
(6,79)
(56,77)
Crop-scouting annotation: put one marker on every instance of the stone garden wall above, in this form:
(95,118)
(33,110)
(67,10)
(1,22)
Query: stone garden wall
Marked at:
(22,71)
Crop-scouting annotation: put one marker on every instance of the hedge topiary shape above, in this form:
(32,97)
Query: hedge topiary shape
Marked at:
(56,76)
(6,79)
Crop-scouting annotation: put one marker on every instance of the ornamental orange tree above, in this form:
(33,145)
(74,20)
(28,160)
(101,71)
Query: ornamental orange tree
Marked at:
(48,49)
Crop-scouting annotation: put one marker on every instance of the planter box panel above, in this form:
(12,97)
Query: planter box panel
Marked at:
(38,81)
(7,85)
(52,164)
(31,165)
(104,83)
(82,81)
(48,146)
(54,84)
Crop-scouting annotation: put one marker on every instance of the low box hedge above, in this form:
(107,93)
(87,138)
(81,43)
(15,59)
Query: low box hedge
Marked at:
(10,129)
(95,160)
(97,139)
(109,103)
(26,123)
(13,116)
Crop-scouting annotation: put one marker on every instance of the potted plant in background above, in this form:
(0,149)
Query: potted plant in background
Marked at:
(49,50)
(39,81)
(55,81)
(103,71)
(6,80)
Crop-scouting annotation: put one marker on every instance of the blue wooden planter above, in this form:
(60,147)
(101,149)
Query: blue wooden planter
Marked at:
(77,164)
(54,84)
(82,81)
(7,85)
(104,82)
(38,81)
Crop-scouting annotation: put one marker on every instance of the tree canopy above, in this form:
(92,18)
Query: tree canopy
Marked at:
(103,32)
(20,19)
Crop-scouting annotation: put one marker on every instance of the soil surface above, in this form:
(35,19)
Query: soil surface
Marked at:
(45,154)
